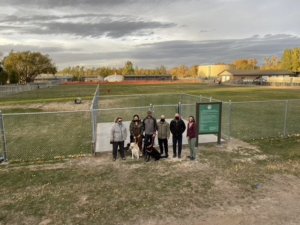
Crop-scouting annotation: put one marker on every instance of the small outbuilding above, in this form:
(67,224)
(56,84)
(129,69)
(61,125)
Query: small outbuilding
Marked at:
(114,78)
(251,75)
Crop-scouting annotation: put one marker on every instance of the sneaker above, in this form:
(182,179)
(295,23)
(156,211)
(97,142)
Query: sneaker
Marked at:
(192,158)
(114,159)
(174,156)
(189,157)
(179,156)
(124,158)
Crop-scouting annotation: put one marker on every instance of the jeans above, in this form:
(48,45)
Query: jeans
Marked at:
(192,143)
(163,145)
(119,144)
(177,139)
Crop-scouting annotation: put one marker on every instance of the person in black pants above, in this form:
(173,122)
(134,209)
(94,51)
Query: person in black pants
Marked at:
(150,128)
(163,134)
(118,135)
(177,127)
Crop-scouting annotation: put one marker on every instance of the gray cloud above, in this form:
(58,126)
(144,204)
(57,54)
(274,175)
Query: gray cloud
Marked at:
(174,53)
(89,25)
(79,3)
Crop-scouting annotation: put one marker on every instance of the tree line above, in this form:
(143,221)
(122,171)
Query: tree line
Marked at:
(23,67)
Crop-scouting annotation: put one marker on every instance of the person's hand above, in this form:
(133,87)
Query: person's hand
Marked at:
(111,142)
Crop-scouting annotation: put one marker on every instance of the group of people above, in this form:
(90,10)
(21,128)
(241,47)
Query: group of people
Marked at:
(148,128)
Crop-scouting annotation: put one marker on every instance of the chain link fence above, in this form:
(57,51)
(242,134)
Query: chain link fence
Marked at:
(55,135)
(252,120)
(47,136)
(12,89)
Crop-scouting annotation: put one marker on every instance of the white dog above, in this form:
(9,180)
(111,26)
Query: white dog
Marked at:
(135,150)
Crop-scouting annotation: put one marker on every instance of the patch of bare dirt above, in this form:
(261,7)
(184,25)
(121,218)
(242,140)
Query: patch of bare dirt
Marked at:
(52,106)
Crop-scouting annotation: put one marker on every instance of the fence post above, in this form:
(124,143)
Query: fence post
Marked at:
(94,113)
(3,138)
(285,118)
(179,108)
(229,120)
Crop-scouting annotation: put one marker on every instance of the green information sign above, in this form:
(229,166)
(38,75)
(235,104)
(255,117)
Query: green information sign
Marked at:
(209,117)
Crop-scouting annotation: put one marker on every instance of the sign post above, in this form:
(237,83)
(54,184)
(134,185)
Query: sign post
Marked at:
(209,116)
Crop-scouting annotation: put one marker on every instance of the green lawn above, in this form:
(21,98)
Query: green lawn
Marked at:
(47,136)
(98,191)
(225,93)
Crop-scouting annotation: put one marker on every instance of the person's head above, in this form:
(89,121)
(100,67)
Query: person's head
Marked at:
(177,116)
(136,117)
(162,118)
(119,120)
(191,119)
(149,114)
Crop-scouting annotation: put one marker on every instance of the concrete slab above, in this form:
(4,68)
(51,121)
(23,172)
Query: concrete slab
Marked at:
(103,137)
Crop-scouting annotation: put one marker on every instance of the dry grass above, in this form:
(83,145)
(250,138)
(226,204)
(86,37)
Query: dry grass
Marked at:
(232,184)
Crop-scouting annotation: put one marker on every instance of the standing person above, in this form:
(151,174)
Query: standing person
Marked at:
(118,135)
(192,136)
(136,131)
(150,128)
(177,128)
(163,134)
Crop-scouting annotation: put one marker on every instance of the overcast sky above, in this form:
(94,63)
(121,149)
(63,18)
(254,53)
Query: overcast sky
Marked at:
(150,33)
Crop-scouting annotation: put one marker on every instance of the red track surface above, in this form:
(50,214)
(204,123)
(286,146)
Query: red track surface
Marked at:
(140,82)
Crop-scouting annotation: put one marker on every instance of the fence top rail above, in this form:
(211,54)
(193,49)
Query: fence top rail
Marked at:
(124,108)
(198,96)
(283,100)
(138,95)
(37,113)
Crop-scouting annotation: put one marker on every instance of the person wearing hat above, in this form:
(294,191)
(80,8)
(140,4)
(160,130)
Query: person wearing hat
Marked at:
(163,134)
(136,131)
(177,127)
(150,128)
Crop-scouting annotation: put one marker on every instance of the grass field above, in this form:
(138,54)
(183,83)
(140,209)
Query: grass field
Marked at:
(236,183)
(49,136)
(225,93)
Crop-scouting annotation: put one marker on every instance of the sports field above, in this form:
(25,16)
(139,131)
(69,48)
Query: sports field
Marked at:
(49,136)
(236,183)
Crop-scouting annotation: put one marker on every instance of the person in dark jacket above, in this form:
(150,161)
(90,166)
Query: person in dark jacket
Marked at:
(177,127)
(136,129)
(150,128)
(192,136)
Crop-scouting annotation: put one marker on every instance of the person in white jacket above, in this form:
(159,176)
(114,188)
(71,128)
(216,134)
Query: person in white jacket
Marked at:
(118,135)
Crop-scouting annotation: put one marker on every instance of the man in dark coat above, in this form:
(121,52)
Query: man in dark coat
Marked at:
(177,127)
(150,128)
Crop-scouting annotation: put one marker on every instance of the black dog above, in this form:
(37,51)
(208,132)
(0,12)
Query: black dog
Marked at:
(152,152)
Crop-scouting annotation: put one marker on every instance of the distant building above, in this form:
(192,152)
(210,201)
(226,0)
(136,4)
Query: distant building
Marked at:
(44,78)
(94,79)
(251,75)
(114,78)
(212,71)
(148,77)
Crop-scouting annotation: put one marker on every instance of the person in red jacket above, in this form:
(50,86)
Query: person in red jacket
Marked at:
(192,136)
